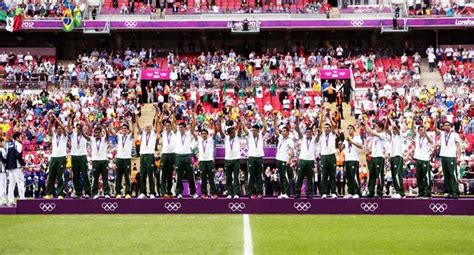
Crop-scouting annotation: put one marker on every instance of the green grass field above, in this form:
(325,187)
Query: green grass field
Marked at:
(223,234)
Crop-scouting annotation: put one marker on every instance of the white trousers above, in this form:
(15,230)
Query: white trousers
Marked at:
(3,188)
(16,177)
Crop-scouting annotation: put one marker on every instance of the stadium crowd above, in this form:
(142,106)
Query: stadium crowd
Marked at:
(297,69)
(50,130)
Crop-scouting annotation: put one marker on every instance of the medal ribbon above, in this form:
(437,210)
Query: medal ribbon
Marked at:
(282,142)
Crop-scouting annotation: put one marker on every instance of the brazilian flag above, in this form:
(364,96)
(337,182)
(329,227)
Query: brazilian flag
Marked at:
(77,17)
(3,17)
(68,21)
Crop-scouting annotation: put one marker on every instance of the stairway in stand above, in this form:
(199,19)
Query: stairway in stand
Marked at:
(431,79)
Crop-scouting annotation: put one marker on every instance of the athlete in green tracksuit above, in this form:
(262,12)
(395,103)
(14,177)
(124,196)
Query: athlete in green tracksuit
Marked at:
(100,162)
(168,137)
(450,152)
(306,162)
(351,146)
(183,161)
(206,149)
(147,157)
(123,159)
(423,143)
(377,162)
(328,159)
(396,160)
(255,160)
(57,164)
(232,158)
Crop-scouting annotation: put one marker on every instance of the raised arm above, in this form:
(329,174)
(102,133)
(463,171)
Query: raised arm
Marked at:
(243,128)
(88,137)
(133,127)
(50,123)
(239,128)
(292,155)
(436,129)
(111,130)
(298,130)
(395,128)
(70,128)
(319,128)
(157,121)
(333,126)
(215,130)
(59,123)
(275,127)
(173,123)
(371,132)
(264,124)
(138,125)
(220,127)
(107,133)
(358,145)
(89,126)
(193,126)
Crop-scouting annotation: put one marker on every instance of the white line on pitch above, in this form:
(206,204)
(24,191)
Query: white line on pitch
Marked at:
(248,246)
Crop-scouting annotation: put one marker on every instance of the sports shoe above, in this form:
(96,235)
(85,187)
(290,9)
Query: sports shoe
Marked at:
(236,196)
(280,196)
(215,196)
(107,196)
(166,196)
(118,196)
(142,196)
(152,196)
(86,196)
(60,197)
(285,196)
(203,197)
(229,196)
(253,197)
(356,196)
(333,196)
(324,196)
(260,196)
(96,196)
(128,196)
(396,196)
(47,197)
(348,196)
(195,196)
(179,196)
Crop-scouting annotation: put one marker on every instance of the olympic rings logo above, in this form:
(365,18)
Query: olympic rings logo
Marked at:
(357,22)
(130,24)
(302,206)
(47,207)
(369,207)
(109,206)
(172,206)
(438,207)
(236,207)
